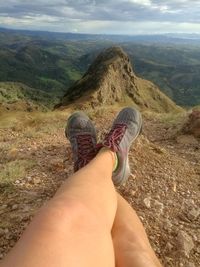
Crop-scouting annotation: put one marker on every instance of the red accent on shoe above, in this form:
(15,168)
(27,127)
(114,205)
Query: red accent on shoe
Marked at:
(85,151)
(114,137)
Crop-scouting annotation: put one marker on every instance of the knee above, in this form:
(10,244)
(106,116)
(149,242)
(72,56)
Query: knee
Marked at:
(68,214)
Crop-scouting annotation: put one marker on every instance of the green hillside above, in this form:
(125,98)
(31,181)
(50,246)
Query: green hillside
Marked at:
(175,69)
(53,66)
(13,93)
(38,66)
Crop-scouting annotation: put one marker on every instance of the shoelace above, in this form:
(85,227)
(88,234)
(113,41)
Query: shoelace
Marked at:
(114,137)
(86,151)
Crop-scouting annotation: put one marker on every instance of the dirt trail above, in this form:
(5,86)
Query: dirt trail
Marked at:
(163,188)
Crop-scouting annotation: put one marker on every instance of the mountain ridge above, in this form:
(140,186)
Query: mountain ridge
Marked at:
(110,79)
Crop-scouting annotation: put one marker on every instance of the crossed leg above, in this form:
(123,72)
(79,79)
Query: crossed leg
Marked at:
(131,245)
(74,228)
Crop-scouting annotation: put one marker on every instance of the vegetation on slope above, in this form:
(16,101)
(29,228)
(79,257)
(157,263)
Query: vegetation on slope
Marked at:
(53,65)
(110,80)
(12,94)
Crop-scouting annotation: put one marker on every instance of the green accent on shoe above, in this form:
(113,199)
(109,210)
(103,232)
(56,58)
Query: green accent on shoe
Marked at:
(116,163)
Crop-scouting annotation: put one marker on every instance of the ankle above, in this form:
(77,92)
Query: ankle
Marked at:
(113,156)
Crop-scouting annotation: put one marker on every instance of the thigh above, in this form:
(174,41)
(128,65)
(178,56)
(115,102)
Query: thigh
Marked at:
(62,236)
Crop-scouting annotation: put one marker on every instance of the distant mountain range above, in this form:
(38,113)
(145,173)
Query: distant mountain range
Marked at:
(174,38)
(52,62)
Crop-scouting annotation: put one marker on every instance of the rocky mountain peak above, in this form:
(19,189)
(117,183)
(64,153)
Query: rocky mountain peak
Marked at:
(111,56)
(110,80)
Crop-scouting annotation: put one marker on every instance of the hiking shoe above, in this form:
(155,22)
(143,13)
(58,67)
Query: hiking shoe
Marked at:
(82,136)
(125,129)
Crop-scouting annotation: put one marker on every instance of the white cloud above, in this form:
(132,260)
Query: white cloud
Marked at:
(102,16)
(141,2)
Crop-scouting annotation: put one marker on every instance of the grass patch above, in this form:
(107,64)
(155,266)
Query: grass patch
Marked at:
(4,148)
(15,170)
(11,92)
(35,123)
(196,108)
(5,189)
(101,112)
(173,118)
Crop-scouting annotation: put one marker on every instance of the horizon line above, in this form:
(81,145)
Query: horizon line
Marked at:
(107,34)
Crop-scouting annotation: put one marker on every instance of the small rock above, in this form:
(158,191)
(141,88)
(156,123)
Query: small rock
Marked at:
(186,243)
(167,225)
(29,178)
(141,218)
(190,203)
(169,246)
(8,237)
(133,192)
(36,180)
(193,214)
(198,249)
(133,176)
(26,208)
(195,238)
(17,181)
(158,150)
(56,165)
(14,207)
(147,202)
(6,231)
(174,187)
(168,260)
(159,206)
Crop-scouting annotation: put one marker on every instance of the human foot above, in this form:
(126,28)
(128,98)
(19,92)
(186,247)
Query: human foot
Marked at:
(82,136)
(125,129)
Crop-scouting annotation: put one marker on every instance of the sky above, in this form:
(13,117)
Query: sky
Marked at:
(102,16)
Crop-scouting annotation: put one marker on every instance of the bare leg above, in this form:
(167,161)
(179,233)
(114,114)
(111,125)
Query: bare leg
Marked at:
(74,228)
(132,248)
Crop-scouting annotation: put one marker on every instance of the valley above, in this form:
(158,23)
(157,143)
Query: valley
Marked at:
(54,64)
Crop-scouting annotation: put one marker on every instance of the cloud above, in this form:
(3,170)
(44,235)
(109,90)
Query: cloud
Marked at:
(117,16)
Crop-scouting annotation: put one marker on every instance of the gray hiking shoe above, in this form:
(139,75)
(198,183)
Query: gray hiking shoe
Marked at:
(82,136)
(125,129)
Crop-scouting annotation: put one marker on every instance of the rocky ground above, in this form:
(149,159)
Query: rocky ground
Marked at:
(163,188)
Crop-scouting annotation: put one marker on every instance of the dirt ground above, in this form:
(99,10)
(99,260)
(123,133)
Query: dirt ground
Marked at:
(163,188)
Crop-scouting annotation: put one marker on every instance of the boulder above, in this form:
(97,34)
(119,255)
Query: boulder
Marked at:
(192,126)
